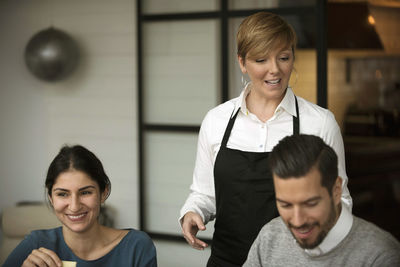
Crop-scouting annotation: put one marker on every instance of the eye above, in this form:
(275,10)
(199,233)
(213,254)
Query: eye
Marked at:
(86,193)
(284,58)
(284,205)
(312,203)
(260,60)
(61,194)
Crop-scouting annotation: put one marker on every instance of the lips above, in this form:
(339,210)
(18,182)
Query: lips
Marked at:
(272,82)
(303,232)
(76,217)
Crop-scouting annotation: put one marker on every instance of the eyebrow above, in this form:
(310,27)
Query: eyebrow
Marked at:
(307,200)
(80,189)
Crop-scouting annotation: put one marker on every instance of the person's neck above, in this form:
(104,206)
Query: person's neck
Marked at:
(86,244)
(262,107)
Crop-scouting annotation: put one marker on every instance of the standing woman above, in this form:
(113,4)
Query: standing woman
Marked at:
(231,181)
(76,186)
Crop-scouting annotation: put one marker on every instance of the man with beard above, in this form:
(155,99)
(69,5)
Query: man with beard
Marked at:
(313,228)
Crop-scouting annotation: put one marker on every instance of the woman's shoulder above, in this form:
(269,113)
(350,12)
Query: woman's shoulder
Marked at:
(136,242)
(305,105)
(137,236)
(315,119)
(216,119)
(50,238)
(314,111)
(221,113)
(137,248)
(52,234)
(225,108)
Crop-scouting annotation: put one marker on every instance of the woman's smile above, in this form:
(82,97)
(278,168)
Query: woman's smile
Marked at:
(76,200)
(269,74)
(77,217)
(273,82)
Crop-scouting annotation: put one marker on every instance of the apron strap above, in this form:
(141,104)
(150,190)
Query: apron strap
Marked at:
(296,124)
(296,120)
(229,128)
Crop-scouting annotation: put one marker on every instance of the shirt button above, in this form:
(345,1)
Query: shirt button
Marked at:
(261,146)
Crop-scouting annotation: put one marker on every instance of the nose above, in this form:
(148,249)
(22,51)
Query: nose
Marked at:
(298,218)
(75,203)
(273,66)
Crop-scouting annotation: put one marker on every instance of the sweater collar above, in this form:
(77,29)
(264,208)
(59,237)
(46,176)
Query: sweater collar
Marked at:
(338,232)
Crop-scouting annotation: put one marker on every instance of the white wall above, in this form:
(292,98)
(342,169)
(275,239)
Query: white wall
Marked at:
(95,107)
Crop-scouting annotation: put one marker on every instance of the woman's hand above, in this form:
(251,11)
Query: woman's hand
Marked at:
(42,257)
(191,224)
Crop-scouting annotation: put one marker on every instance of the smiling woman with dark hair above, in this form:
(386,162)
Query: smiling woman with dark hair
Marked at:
(76,186)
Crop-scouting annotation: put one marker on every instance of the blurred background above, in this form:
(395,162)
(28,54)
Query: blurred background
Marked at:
(147,73)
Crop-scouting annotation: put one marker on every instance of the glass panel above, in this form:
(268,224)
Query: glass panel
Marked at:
(178,6)
(340,93)
(370,84)
(169,170)
(235,75)
(364,94)
(253,4)
(304,77)
(181,70)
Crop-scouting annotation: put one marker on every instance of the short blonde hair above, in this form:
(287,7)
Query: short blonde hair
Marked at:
(262,32)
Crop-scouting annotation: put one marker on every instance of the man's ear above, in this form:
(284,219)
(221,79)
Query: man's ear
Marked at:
(242,64)
(337,190)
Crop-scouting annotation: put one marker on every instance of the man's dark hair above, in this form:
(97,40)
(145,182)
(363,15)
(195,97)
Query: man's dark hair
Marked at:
(296,155)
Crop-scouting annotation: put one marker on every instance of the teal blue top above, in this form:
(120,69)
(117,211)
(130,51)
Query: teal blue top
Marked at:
(135,249)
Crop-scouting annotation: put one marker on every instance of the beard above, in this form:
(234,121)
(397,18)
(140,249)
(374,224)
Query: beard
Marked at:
(325,228)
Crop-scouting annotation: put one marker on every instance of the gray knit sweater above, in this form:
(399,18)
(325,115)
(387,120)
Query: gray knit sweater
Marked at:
(365,245)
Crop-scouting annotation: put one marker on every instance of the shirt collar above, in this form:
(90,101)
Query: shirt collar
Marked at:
(335,235)
(242,100)
(287,103)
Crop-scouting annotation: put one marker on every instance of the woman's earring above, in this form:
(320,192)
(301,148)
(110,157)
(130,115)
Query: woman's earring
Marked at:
(244,82)
(296,77)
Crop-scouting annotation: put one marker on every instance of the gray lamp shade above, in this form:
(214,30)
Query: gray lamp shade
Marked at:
(51,55)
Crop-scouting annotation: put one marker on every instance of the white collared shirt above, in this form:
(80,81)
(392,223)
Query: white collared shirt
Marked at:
(338,232)
(251,134)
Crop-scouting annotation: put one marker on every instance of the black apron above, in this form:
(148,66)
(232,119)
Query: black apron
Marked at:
(245,200)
